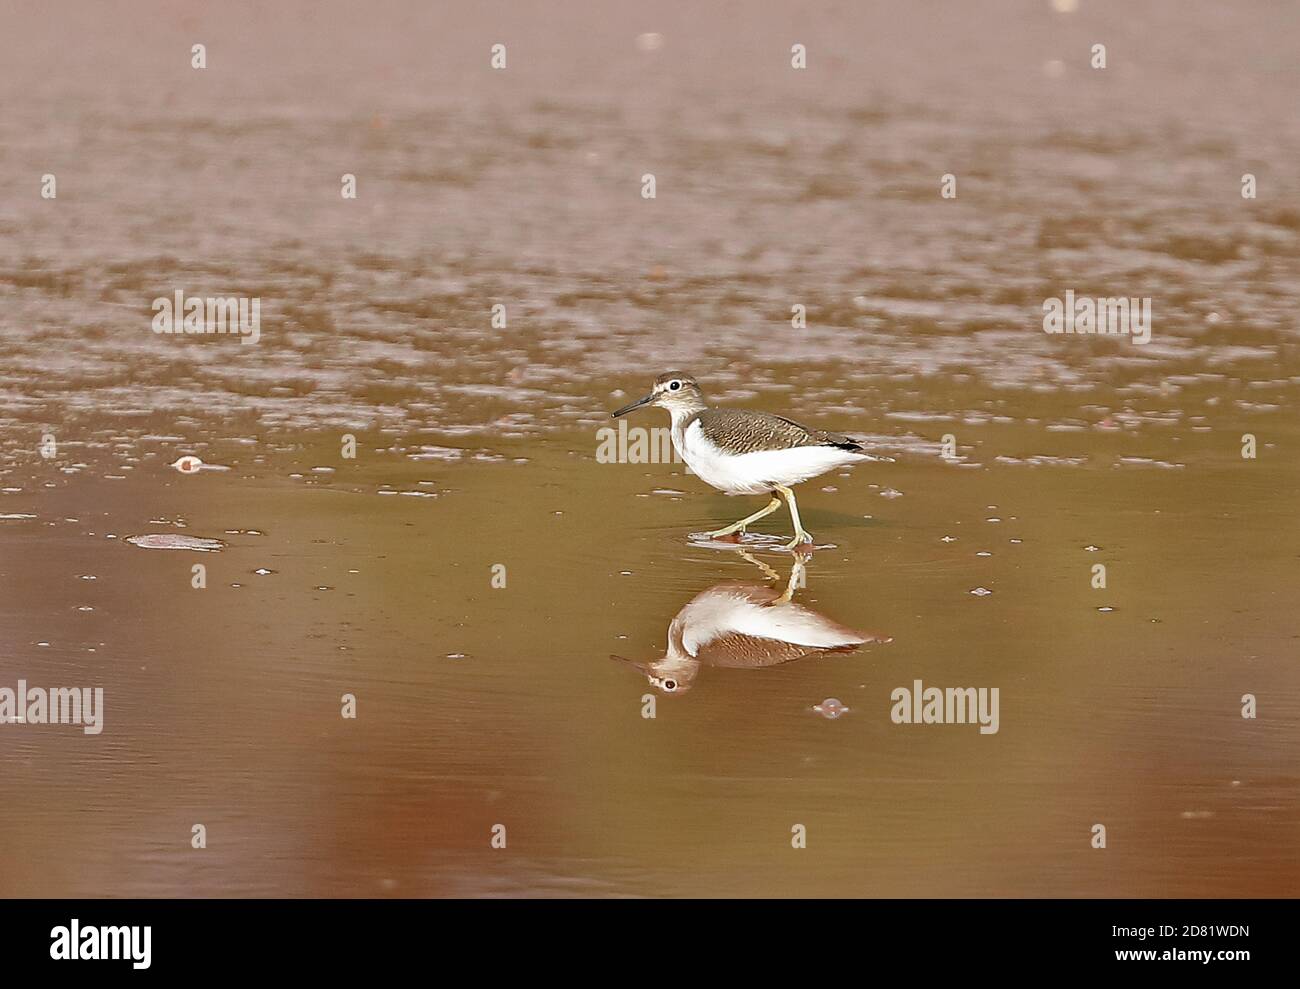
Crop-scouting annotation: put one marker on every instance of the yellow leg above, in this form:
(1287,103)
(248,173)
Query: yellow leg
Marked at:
(796,573)
(771,574)
(800,536)
(772,506)
(796,578)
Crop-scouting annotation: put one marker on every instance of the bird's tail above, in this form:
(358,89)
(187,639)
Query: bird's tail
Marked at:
(850,445)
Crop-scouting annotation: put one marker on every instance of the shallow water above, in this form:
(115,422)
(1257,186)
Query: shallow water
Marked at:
(480,705)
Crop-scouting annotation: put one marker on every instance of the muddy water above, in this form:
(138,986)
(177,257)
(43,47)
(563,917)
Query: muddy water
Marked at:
(480,705)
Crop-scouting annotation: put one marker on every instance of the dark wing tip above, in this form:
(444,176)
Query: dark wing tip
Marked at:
(841,442)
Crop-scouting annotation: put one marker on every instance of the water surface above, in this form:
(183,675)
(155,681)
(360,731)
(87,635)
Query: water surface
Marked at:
(480,705)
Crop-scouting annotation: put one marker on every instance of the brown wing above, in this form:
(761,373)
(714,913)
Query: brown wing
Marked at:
(750,432)
(739,651)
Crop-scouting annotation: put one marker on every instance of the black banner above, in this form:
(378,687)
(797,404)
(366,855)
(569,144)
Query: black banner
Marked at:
(170,938)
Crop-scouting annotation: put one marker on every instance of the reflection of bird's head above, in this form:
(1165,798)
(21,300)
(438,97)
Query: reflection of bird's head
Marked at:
(671,675)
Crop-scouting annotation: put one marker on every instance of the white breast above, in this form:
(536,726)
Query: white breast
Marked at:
(756,611)
(756,473)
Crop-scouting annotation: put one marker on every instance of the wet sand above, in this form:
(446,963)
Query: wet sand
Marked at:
(480,705)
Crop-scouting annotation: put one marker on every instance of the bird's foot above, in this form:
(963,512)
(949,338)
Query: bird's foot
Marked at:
(731,533)
(800,539)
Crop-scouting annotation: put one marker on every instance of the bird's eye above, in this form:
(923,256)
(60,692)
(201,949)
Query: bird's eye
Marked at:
(670,685)
(674,385)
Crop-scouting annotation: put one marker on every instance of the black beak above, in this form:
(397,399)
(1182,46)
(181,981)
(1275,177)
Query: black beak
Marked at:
(630,662)
(635,405)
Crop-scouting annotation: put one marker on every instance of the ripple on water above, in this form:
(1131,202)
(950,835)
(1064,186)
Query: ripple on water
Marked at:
(168,540)
(831,708)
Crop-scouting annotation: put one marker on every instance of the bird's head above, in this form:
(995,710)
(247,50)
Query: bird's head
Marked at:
(675,391)
(671,675)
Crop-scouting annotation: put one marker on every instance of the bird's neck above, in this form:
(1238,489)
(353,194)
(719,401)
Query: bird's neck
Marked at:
(681,416)
(676,646)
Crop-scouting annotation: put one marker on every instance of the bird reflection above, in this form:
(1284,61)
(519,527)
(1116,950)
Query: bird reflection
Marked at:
(746,626)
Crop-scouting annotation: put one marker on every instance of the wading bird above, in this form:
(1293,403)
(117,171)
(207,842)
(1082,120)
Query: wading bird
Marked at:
(745,626)
(741,452)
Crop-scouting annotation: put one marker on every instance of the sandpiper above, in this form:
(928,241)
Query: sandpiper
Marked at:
(747,626)
(743,452)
